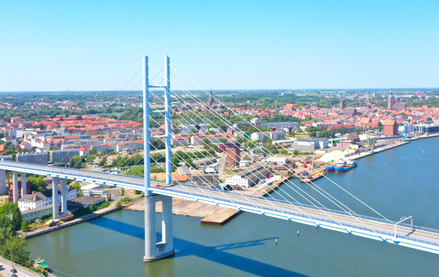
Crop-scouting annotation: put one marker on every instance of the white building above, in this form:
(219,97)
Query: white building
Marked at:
(274,135)
(248,177)
(277,160)
(41,199)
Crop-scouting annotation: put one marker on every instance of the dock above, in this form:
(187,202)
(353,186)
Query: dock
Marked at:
(210,214)
(313,177)
(220,218)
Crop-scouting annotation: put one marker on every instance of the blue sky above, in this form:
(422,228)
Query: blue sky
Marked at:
(98,45)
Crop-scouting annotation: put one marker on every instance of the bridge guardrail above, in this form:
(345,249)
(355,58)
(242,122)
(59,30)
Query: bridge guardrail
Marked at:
(321,219)
(279,201)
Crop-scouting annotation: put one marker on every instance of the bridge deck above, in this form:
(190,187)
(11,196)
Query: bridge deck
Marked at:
(410,236)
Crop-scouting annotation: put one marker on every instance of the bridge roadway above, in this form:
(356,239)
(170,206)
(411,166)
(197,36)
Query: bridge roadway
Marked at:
(417,237)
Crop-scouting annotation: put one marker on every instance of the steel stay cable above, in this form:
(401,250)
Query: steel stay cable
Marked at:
(218,190)
(275,191)
(306,181)
(284,148)
(319,192)
(293,183)
(212,175)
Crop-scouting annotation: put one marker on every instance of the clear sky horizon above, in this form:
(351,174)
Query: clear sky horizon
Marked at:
(98,45)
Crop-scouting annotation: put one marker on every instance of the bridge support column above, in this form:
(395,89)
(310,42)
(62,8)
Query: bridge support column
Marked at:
(55,182)
(3,189)
(15,189)
(153,250)
(63,197)
(23,184)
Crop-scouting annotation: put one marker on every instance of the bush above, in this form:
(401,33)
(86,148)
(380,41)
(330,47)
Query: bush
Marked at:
(77,187)
(118,204)
(122,191)
(25,226)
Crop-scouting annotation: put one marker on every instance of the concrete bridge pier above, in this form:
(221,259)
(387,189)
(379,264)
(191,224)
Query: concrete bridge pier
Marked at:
(55,182)
(153,250)
(23,184)
(3,189)
(15,188)
(63,197)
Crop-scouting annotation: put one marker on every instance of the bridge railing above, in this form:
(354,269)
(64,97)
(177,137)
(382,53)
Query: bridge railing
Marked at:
(342,213)
(313,217)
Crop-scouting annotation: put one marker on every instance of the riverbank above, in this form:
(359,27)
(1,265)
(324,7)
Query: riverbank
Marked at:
(84,218)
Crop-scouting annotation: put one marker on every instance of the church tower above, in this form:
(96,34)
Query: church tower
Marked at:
(390,101)
(342,104)
(211,101)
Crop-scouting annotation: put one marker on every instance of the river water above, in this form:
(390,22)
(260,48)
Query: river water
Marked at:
(398,182)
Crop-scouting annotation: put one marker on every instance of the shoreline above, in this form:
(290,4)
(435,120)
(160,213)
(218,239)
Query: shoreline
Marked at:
(84,218)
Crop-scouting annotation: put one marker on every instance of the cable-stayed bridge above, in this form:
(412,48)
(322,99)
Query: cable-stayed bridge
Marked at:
(369,227)
(344,220)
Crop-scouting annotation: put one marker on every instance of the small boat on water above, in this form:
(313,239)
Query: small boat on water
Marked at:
(39,263)
(341,162)
(347,167)
(329,169)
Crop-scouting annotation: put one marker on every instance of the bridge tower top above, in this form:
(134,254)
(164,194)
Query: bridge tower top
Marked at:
(166,88)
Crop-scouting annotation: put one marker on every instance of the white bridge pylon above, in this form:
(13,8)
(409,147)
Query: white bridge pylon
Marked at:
(165,248)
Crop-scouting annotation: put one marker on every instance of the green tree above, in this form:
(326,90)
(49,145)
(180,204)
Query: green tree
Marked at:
(103,162)
(11,210)
(76,162)
(79,117)
(175,160)
(37,183)
(92,207)
(11,246)
(122,191)
(76,186)
(25,226)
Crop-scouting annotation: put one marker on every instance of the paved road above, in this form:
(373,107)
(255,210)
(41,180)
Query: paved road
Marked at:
(20,272)
(314,213)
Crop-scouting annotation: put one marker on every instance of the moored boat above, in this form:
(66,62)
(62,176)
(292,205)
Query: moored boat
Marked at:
(39,263)
(329,169)
(347,167)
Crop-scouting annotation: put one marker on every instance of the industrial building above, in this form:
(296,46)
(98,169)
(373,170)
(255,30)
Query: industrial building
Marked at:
(233,152)
(310,144)
(390,127)
(204,161)
(248,177)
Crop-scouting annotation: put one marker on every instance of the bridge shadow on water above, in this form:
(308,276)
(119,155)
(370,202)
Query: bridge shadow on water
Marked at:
(215,254)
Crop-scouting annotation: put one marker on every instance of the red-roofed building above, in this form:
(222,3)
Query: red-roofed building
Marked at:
(84,152)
